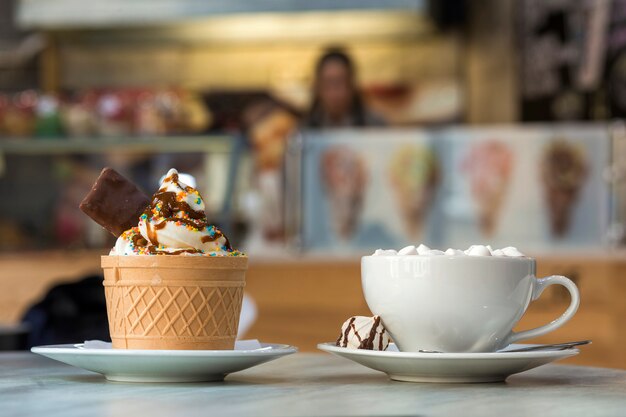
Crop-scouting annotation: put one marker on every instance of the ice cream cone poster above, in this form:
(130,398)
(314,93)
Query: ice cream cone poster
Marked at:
(488,166)
(344,177)
(564,171)
(456,186)
(414,175)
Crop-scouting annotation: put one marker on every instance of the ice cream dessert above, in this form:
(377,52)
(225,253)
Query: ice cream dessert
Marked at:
(563,172)
(489,166)
(414,175)
(172,281)
(360,332)
(344,177)
(474,250)
(174,223)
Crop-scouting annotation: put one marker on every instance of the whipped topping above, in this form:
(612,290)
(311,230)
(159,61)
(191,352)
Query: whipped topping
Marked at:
(474,250)
(360,332)
(174,223)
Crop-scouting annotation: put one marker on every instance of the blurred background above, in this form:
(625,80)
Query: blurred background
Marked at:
(317,132)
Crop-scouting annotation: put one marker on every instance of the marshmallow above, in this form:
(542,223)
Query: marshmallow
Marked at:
(478,250)
(361,332)
(474,250)
(422,249)
(407,250)
(511,251)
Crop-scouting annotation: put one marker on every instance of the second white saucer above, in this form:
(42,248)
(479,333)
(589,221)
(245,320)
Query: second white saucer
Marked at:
(449,367)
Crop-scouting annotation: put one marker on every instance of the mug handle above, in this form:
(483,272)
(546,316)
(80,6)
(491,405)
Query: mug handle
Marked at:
(539,285)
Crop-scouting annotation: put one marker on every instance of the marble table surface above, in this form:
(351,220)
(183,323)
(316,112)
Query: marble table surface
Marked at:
(305,385)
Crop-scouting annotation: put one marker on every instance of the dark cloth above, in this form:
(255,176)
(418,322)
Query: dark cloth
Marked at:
(69,313)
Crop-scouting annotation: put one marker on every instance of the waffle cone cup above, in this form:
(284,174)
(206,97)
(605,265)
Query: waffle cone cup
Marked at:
(174,302)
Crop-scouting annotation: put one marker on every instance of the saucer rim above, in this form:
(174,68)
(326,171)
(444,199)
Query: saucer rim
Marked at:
(73,348)
(331,347)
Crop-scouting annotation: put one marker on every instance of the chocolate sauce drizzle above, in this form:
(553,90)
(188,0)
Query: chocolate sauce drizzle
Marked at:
(369,342)
(206,239)
(345,334)
(138,240)
(197,219)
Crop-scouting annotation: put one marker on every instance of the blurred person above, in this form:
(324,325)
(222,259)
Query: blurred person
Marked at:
(337,101)
(268,127)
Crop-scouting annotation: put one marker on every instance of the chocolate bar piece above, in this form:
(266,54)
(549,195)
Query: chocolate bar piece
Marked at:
(114,202)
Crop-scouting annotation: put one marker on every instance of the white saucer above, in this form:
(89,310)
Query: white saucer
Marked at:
(163,365)
(449,367)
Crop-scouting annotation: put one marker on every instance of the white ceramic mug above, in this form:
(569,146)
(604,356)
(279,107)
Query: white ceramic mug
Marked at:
(456,303)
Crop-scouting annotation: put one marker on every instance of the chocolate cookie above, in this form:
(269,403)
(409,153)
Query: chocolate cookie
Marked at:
(114,202)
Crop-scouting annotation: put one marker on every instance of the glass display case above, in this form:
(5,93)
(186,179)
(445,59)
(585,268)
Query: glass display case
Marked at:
(340,191)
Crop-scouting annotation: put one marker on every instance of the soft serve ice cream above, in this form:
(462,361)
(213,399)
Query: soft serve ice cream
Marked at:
(174,223)
(474,250)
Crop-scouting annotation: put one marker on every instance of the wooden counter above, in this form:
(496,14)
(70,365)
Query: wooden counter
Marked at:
(304,302)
